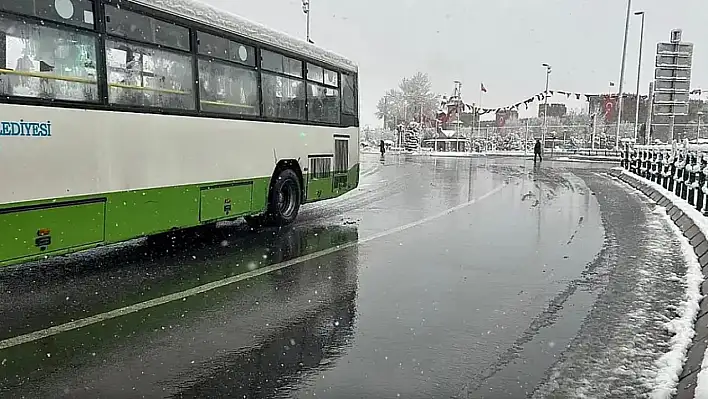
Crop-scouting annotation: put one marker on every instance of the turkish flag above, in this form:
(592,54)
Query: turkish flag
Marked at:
(609,105)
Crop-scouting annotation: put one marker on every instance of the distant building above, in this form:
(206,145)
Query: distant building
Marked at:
(606,106)
(554,110)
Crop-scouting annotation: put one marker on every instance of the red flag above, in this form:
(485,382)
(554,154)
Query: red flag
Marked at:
(483,88)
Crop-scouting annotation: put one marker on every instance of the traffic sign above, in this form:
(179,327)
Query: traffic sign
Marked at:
(670,97)
(672,79)
(672,85)
(674,48)
(668,73)
(670,109)
(664,60)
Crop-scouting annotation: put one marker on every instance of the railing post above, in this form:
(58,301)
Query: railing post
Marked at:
(679,173)
(667,169)
(690,186)
(661,167)
(686,176)
(626,152)
(700,201)
(643,163)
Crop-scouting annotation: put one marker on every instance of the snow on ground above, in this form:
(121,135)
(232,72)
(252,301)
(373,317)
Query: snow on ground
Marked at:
(634,342)
(671,363)
(684,331)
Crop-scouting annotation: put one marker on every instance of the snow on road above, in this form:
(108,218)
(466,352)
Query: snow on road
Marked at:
(634,341)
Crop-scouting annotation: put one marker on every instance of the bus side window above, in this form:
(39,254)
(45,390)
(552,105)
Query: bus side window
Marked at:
(283,98)
(148,77)
(348,94)
(323,103)
(47,62)
(227,88)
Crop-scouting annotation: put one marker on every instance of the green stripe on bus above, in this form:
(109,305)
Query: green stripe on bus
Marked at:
(77,223)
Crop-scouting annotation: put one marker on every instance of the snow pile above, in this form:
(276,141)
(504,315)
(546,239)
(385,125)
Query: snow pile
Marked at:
(671,363)
(203,13)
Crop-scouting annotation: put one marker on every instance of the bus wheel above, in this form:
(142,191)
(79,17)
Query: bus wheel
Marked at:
(284,199)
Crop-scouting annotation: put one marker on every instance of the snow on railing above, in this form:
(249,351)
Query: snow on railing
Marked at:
(679,168)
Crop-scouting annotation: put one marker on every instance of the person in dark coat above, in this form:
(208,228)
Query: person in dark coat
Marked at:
(537,151)
(382,147)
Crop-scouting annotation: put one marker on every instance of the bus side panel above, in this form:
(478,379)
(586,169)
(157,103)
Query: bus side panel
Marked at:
(131,214)
(44,230)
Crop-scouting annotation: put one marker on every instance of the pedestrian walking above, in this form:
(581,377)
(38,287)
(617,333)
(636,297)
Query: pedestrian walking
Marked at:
(382,147)
(537,151)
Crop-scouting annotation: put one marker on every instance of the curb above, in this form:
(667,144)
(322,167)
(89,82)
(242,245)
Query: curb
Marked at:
(694,357)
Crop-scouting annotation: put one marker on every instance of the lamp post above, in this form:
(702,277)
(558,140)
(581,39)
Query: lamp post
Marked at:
(621,82)
(306,10)
(545,106)
(639,70)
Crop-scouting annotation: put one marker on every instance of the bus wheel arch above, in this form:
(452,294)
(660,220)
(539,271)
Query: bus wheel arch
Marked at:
(285,196)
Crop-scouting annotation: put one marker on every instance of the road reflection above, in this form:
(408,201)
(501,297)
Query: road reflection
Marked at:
(254,338)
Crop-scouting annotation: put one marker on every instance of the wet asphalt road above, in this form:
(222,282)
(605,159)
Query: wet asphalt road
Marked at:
(435,278)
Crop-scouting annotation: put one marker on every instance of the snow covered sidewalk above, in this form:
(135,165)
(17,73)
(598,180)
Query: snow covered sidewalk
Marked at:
(685,365)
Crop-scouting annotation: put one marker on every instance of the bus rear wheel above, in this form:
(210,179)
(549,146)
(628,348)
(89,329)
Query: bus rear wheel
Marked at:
(284,200)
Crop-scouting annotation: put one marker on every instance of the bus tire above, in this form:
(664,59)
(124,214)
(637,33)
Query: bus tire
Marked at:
(284,199)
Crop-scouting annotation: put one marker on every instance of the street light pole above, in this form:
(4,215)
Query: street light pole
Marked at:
(639,70)
(306,10)
(621,82)
(545,106)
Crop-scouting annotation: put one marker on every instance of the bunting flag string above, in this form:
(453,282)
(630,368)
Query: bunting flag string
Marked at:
(455,104)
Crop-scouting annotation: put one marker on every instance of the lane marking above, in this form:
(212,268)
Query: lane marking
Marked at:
(77,324)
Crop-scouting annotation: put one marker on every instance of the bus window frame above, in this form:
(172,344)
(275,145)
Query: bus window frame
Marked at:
(150,42)
(355,93)
(94,33)
(94,28)
(230,64)
(118,39)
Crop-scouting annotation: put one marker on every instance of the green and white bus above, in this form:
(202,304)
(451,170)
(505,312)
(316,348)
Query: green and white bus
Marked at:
(128,118)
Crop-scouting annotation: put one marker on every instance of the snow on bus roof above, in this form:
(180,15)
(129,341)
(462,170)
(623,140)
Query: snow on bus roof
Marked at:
(209,15)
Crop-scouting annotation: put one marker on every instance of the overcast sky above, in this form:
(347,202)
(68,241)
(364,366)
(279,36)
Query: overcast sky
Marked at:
(499,42)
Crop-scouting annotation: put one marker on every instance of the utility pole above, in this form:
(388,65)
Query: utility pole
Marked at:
(545,107)
(594,129)
(639,70)
(526,136)
(650,110)
(621,82)
(306,10)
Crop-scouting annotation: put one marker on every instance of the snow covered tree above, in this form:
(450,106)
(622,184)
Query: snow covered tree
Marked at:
(420,99)
(412,99)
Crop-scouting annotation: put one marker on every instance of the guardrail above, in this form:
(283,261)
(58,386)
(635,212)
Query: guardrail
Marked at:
(682,170)
(595,152)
